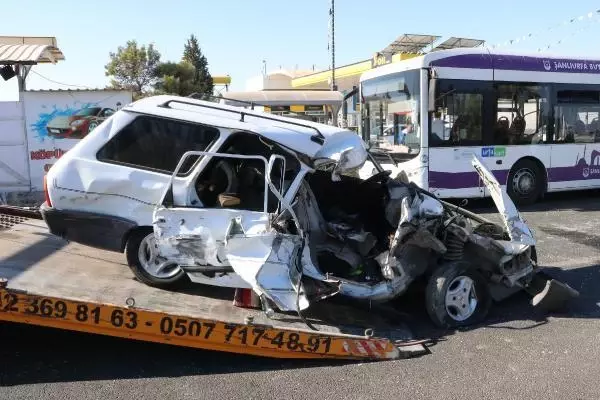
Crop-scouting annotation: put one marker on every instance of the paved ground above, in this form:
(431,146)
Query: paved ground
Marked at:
(518,353)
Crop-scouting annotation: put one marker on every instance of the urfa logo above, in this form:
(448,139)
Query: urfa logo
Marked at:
(547,65)
(586,172)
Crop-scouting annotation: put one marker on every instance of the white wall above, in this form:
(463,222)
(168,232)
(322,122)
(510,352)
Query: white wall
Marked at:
(14,173)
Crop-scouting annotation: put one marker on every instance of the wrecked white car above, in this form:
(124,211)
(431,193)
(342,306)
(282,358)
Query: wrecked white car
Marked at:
(297,229)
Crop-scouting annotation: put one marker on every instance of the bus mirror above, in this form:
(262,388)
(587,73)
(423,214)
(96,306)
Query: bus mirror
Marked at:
(432,92)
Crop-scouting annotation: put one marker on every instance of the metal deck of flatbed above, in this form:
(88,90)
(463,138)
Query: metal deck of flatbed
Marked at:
(50,282)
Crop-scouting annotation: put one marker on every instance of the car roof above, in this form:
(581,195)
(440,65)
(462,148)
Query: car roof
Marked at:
(290,132)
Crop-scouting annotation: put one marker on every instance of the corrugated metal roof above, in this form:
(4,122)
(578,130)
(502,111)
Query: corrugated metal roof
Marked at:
(29,53)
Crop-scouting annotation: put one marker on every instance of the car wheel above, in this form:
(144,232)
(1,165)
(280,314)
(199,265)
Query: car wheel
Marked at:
(456,296)
(92,126)
(525,183)
(147,266)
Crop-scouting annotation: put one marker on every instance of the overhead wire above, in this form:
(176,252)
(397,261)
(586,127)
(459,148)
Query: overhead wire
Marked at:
(59,83)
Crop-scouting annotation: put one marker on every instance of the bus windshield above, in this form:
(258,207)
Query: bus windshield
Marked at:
(390,110)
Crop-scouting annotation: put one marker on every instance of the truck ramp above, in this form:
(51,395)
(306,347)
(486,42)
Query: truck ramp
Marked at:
(49,282)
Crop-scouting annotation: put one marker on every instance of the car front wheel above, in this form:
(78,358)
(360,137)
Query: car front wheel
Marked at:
(456,296)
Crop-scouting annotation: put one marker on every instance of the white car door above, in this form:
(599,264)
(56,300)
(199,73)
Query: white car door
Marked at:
(190,235)
(243,239)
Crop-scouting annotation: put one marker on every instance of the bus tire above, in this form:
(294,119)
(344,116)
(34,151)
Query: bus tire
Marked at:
(525,183)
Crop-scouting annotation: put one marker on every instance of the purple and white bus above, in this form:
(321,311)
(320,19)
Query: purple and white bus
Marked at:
(532,118)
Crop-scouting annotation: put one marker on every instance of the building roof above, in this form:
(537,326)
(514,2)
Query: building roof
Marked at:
(29,50)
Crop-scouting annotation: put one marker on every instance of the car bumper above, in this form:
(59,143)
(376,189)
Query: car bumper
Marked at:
(91,229)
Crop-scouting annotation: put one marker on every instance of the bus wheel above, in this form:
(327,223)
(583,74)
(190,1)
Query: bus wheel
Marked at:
(525,183)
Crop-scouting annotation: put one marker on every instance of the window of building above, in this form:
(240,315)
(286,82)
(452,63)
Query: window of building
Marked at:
(576,117)
(157,144)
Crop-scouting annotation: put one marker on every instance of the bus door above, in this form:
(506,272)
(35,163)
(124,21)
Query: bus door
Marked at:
(576,143)
(456,133)
(518,129)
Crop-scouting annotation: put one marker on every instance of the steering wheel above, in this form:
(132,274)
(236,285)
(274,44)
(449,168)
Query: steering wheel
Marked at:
(378,177)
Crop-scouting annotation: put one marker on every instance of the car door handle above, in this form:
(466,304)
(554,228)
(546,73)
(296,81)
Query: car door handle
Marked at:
(498,162)
(159,220)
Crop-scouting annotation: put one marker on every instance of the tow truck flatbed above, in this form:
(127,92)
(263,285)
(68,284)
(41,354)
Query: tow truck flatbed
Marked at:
(47,281)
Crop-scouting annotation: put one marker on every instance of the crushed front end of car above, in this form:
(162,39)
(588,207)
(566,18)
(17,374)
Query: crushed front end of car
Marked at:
(371,239)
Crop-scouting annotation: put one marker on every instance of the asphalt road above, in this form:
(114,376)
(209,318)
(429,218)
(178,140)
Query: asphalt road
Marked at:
(518,353)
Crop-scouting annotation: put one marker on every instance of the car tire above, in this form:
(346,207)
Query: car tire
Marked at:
(141,259)
(525,182)
(92,126)
(456,296)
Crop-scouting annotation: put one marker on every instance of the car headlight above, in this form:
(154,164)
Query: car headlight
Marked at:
(76,123)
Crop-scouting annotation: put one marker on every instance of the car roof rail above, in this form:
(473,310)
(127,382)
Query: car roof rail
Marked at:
(200,96)
(319,137)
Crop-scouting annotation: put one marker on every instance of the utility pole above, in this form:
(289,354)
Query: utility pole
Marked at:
(332,35)
(334,110)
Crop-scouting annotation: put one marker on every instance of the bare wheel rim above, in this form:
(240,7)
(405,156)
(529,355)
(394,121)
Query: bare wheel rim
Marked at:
(152,262)
(524,181)
(461,299)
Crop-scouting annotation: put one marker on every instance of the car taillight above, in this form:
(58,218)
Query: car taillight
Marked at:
(46,194)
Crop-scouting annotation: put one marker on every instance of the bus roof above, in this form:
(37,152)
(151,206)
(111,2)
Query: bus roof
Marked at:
(487,59)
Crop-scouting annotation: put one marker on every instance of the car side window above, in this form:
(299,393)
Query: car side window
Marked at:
(107,112)
(157,144)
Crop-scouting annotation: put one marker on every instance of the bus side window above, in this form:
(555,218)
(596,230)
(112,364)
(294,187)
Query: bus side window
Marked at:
(457,120)
(576,117)
(521,114)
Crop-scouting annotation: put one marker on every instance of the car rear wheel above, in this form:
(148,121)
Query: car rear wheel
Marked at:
(457,295)
(147,265)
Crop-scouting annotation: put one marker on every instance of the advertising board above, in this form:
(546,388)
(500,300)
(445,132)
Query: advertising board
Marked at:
(56,120)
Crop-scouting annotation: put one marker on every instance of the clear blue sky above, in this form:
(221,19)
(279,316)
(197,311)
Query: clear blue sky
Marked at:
(236,35)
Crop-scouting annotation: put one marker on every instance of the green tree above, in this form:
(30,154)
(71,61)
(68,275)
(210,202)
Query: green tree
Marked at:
(133,67)
(175,78)
(192,54)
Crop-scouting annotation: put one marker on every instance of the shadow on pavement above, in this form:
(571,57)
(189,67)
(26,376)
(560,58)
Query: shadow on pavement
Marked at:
(33,355)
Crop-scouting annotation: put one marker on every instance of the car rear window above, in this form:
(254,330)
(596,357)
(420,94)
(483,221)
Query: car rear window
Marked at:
(157,144)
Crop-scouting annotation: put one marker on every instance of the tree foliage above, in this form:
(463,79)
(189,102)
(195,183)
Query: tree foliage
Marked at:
(140,70)
(176,78)
(133,67)
(193,54)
